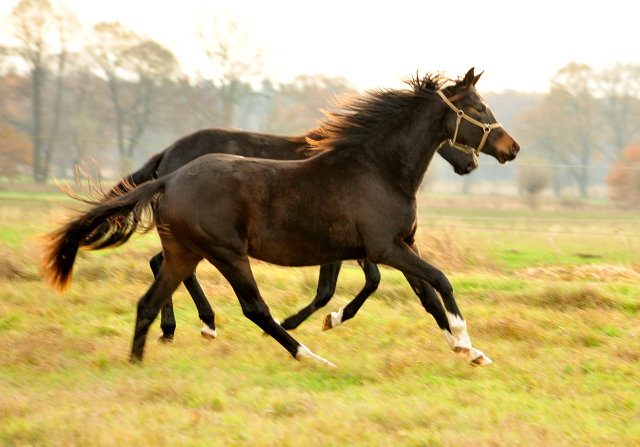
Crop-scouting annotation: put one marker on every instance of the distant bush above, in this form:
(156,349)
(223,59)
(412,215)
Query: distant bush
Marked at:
(624,177)
(532,180)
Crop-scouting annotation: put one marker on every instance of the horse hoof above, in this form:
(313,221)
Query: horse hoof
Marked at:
(305,355)
(165,338)
(208,333)
(483,360)
(473,356)
(333,319)
(326,324)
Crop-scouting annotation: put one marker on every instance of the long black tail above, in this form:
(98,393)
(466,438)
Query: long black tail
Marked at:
(123,214)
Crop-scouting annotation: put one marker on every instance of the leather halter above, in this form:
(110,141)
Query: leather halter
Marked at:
(460,115)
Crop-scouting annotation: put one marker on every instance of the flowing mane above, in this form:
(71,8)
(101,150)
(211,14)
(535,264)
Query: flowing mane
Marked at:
(353,119)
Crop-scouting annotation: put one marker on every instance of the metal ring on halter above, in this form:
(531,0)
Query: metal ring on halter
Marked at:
(460,113)
(487,128)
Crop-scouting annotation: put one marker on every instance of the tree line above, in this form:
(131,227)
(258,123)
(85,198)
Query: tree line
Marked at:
(117,97)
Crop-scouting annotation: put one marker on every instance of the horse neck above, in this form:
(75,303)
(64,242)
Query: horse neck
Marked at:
(404,155)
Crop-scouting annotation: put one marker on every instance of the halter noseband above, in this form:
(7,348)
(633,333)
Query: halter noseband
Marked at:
(485,126)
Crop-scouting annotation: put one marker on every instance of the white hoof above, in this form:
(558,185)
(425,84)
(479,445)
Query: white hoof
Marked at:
(304,353)
(209,333)
(473,356)
(332,320)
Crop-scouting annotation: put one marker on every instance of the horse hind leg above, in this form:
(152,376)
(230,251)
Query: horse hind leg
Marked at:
(205,312)
(326,288)
(238,272)
(174,269)
(372,280)
(167,317)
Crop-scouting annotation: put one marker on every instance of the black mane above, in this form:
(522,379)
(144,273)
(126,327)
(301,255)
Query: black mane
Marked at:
(355,118)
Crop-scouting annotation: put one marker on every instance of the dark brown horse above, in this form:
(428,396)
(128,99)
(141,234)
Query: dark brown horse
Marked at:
(355,200)
(252,144)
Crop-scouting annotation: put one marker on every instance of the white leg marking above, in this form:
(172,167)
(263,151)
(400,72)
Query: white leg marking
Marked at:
(460,342)
(458,337)
(207,332)
(304,352)
(336,317)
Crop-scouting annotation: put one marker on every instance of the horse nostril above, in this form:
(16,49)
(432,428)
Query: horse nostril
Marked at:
(515,148)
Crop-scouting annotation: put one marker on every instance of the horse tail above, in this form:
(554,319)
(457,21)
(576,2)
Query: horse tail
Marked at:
(124,214)
(147,172)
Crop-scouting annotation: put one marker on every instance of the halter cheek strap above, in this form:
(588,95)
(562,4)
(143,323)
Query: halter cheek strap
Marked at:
(460,115)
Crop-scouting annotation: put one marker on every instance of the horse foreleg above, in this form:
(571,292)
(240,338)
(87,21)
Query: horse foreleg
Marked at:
(430,301)
(404,258)
(372,280)
(326,288)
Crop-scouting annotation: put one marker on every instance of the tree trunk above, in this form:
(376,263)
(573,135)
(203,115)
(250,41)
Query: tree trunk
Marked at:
(37,78)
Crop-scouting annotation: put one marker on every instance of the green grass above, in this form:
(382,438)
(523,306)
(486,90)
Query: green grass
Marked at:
(564,341)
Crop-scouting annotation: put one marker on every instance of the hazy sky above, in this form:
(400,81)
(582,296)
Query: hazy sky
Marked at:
(520,45)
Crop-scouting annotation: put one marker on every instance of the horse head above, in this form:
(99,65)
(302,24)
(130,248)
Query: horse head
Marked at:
(472,124)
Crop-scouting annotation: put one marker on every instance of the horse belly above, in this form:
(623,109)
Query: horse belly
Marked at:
(302,247)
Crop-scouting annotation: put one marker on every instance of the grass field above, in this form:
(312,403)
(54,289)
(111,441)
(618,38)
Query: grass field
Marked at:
(550,295)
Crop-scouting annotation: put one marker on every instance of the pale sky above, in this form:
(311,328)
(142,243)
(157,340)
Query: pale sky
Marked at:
(520,45)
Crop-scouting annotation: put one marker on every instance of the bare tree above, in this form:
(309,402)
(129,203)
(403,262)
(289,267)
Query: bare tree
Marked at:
(297,106)
(134,67)
(618,88)
(42,31)
(234,57)
(566,126)
(31,22)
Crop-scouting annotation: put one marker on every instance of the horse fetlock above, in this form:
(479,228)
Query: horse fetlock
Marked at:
(332,320)
(165,338)
(304,354)
(209,333)
(457,337)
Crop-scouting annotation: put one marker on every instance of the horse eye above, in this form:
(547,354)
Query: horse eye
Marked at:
(480,108)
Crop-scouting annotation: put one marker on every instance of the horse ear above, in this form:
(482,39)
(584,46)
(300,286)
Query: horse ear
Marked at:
(477,78)
(468,78)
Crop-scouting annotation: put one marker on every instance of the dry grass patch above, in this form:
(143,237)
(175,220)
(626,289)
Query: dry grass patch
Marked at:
(575,296)
(584,272)
(512,327)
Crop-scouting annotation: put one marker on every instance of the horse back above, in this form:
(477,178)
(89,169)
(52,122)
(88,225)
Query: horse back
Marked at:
(276,211)
(234,142)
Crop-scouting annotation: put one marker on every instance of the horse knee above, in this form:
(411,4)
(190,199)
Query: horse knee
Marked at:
(257,315)
(442,284)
